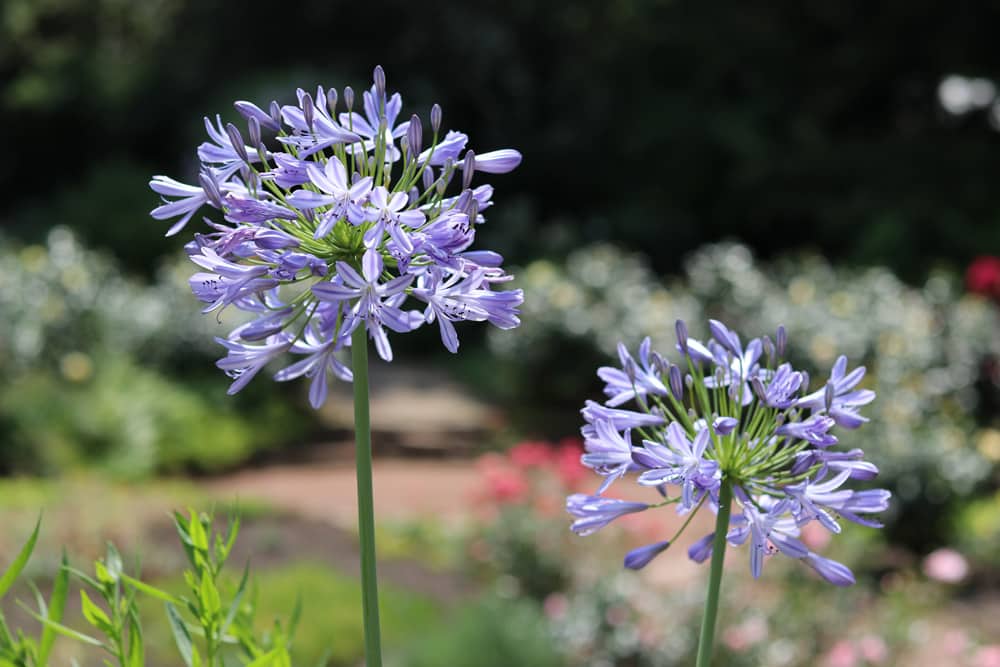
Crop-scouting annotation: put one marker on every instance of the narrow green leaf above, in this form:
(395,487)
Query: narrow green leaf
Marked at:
(234,530)
(293,622)
(136,650)
(234,606)
(196,530)
(181,635)
(7,580)
(151,591)
(325,660)
(5,638)
(94,614)
(270,659)
(208,595)
(56,609)
(85,578)
(62,629)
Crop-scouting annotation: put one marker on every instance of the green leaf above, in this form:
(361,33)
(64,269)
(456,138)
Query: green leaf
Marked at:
(196,531)
(5,638)
(84,577)
(181,635)
(234,606)
(95,615)
(56,609)
(293,622)
(232,532)
(136,651)
(102,574)
(276,657)
(7,580)
(62,629)
(151,591)
(208,595)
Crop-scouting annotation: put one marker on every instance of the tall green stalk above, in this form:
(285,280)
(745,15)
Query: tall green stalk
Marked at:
(366,509)
(707,640)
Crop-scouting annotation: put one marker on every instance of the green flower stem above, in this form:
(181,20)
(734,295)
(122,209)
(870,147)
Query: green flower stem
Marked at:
(366,510)
(707,640)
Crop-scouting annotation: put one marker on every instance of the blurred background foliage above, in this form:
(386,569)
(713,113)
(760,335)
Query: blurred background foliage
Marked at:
(661,125)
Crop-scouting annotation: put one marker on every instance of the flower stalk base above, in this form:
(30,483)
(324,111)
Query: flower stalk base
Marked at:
(366,510)
(706,641)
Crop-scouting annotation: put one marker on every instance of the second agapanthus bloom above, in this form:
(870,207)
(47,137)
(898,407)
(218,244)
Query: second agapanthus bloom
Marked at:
(730,421)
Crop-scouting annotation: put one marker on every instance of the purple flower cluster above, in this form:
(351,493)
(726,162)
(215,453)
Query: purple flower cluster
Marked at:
(336,220)
(734,415)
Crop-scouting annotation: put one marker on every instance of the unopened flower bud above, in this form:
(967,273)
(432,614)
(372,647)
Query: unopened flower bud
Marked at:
(676,383)
(414,195)
(828,395)
(682,335)
(724,425)
(781,341)
(211,187)
(468,168)
(805,382)
(275,111)
(688,381)
(768,348)
(758,388)
(436,118)
(630,370)
(349,97)
(428,178)
(660,365)
(236,139)
(462,203)
(308,110)
(414,135)
(379,77)
(253,130)
(331,100)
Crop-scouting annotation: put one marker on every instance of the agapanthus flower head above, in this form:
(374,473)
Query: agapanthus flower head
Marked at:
(733,416)
(336,220)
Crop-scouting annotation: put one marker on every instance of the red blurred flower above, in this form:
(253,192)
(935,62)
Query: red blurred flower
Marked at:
(530,454)
(505,485)
(568,465)
(983,276)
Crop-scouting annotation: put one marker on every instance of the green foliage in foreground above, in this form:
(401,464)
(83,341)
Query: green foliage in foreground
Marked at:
(212,616)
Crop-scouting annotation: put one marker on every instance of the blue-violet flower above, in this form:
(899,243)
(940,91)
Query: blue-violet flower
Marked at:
(339,220)
(734,415)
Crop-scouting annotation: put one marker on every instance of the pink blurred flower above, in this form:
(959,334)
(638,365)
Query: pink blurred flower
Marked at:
(873,649)
(815,535)
(748,633)
(987,656)
(946,565)
(841,654)
(556,605)
(955,642)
